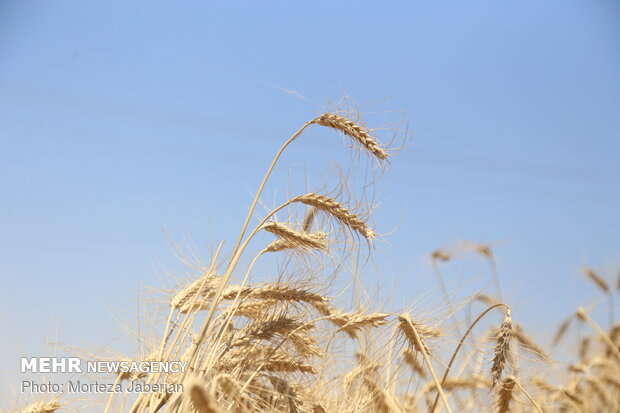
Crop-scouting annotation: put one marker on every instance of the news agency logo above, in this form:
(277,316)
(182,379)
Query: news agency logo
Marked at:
(51,365)
(75,365)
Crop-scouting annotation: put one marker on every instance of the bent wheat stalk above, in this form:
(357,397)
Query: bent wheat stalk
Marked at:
(458,347)
(239,246)
(236,249)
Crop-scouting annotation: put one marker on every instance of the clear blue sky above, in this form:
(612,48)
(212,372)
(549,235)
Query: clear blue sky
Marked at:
(119,119)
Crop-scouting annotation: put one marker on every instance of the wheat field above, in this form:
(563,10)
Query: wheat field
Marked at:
(305,340)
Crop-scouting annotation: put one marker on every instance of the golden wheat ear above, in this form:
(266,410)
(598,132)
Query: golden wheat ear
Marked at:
(351,323)
(355,131)
(291,238)
(335,209)
(502,349)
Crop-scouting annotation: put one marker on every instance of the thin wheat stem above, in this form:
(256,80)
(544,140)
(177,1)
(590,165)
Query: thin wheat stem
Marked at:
(536,406)
(458,347)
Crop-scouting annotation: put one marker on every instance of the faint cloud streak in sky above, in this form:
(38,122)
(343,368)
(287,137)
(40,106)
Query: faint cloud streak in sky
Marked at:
(289,91)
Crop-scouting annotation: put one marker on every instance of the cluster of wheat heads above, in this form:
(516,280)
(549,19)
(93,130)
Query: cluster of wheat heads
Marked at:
(289,345)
